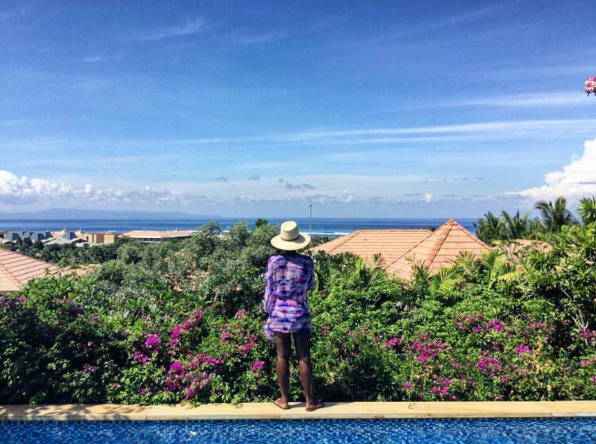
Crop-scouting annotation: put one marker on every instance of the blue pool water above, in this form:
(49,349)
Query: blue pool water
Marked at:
(419,431)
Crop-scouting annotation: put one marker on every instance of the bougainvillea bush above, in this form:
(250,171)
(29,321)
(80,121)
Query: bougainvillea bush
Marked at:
(183,322)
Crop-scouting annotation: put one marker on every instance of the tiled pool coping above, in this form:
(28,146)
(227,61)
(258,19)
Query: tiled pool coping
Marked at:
(348,410)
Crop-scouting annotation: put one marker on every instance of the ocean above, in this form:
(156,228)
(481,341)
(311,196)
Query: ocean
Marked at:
(331,227)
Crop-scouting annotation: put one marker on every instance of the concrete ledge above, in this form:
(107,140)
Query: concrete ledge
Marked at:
(351,410)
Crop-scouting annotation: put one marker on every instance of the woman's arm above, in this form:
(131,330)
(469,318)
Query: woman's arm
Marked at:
(269,302)
(311,280)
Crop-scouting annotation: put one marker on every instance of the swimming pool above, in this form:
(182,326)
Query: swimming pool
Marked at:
(419,431)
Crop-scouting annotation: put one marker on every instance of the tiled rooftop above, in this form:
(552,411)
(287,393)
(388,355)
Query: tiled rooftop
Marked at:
(400,248)
(439,250)
(391,244)
(17,269)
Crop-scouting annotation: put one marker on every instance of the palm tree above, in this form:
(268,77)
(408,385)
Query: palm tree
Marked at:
(587,209)
(555,216)
(516,226)
(489,228)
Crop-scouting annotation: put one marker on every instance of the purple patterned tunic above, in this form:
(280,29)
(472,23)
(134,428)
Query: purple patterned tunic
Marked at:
(288,277)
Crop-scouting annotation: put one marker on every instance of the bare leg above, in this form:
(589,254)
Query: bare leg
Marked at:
(302,342)
(283,343)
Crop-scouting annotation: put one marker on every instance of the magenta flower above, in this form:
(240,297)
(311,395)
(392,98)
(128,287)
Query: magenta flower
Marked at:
(140,357)
(393,342)
(523,349)
(176,368)
(241,314)
(258,366)
(152,342)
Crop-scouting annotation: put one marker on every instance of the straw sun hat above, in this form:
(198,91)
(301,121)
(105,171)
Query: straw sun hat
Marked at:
(290,238)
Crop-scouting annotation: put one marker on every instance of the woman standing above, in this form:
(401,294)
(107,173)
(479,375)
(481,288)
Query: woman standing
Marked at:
(289,276)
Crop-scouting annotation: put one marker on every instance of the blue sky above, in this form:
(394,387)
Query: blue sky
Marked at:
(248,108)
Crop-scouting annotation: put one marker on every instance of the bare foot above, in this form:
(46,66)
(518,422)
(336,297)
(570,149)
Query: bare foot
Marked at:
(284,405)
(314,406)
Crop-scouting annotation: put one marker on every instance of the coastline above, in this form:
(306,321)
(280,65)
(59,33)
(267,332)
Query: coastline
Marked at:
(332,227)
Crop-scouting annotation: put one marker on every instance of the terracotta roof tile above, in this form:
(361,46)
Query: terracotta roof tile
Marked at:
(390,244)
(17,269)
(438,250)
(400,248)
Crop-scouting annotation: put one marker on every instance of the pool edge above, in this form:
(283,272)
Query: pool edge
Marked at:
(266,411)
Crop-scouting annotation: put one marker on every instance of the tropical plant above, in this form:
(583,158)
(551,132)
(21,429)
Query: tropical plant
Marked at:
(516,226)
(182,322)
(587,210)
(555,216)
(489,228)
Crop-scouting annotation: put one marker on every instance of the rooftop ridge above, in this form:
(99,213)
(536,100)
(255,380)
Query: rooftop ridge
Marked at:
(478,240)
(445,230)
(430,233)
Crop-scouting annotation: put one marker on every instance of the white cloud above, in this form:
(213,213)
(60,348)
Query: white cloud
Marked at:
(17,190)
(428,197)
(576,180)
(525,127)
(242,38)
(93,59)
(189,28)
(561,98)
(348,197)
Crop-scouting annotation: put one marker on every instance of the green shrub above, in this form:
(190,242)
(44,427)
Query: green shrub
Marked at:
(183,322)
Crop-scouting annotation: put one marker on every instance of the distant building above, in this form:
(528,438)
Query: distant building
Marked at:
(401,249)
(63,237)
(12,237)
(158,236)
(98,238)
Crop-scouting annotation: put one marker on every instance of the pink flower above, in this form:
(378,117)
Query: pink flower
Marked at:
(176,368)
(393,342)
(489,364)
(225,335)
(140,357)
(152,342)
(523,349)
(241,314)
(258,366)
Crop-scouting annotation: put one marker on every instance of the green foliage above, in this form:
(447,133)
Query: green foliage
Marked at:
(555,216)
(182,322)
(587,209)
(509,227)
